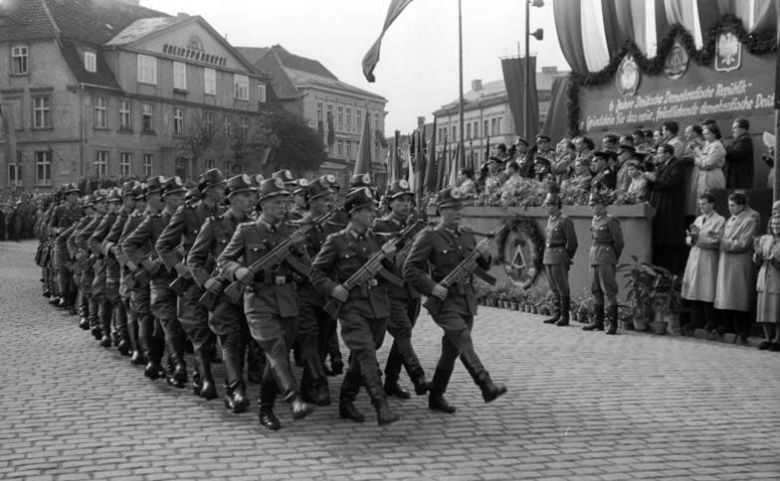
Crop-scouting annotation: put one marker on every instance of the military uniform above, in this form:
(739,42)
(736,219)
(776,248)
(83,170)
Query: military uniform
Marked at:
(91,264)
(105,287)
(560,247)
(604,254)
(78,262)
(61,219)
(270,302)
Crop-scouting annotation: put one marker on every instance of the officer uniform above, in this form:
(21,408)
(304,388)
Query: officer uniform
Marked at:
(560,247)
(439,250)
(179,235)
(604,254)
(228,321)
(270,303)
(404,308)
(315,323)
(139,247)
(606,178)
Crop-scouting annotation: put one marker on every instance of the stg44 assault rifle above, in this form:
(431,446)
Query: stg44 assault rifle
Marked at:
(277,255)
(373,266)
(462,271)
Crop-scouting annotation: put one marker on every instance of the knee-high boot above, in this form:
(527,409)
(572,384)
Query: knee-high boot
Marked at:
(490,391)
(436,401)
(349,391)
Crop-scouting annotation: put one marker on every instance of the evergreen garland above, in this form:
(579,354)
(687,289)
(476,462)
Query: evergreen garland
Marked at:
(756,43)
(535,235)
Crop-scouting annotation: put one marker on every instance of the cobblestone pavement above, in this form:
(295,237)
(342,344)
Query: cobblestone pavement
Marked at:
(580,406)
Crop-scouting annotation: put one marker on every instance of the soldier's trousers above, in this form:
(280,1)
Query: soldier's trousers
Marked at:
(558,277)
(228,323)
(403,316)
(275,335)
(311,319)
(328,339)
(150,335)
(363,336)
(194,320)
(603,285)
(164,308)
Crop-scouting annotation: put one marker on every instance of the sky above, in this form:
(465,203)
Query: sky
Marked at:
(418,67)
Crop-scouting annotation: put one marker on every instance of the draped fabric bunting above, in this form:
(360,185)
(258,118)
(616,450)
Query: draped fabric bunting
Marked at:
(594,39)
(617,29)
(556,123)
(567,26)
(372,56)
(697,16)
(514,80)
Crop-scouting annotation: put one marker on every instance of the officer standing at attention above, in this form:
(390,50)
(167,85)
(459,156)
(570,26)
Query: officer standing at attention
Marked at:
(404,301)
(271,300)
(559,251)
(604,254)
(439,250)
(365,312)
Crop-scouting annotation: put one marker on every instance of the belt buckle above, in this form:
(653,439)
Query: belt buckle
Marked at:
(280,280)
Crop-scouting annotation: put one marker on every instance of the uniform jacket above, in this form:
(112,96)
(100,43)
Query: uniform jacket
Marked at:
(82,236)
(561,244)
(139,244)
(391,226)
(313,243)
(211,241)
(606,179)
(435,253)
(71,239)
(63,216)
(607,241)
(275,290)
(342,254)
(182,229)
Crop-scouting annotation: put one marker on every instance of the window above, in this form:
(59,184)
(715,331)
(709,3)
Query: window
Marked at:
(498,124)
(147,117)
(101,163)
(180,75)
(209,163)
(125,163)
(261,93)
(124,115)
(90,61)
(468,131)
(178,121)
(349,119)
(210,81)
(377,126)
(42,112)
(244,128)
(43,168)
(485,130)
(14,174)
(340,117)
(241,83)
(228,126)
(19,60)
(148,165)
(476,129)
(209,123)
(100,112)
(349,150)
(147,69)
(492,126)
(454,132)
(359,115)
(339,148)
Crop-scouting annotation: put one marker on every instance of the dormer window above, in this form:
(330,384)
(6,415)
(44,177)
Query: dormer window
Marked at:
(90,61)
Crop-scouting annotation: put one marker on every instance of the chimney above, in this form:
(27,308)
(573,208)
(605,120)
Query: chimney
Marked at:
(476,85)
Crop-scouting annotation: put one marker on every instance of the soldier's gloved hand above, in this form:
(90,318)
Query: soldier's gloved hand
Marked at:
(389,248)
(242,273)
(212,285)
(340,293)
(483,247)
(439,292)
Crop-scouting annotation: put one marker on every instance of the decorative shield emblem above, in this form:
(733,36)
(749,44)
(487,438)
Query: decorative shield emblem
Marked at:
(330,178)
(286,174)
(403,184)
(728,52)
(627,77)
(366,178)
(676,63)
(303,182)
(259,178)
(246,179)
(278,183)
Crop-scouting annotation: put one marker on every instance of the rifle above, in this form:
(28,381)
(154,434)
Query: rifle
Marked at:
(373,266)
(209,298)
(465,268)
(276,256)
(403,252)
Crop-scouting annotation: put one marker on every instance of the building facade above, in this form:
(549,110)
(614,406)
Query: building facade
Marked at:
(124,93)
(334,108)
(487,117)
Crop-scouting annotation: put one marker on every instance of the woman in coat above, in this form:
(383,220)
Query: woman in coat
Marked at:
(709,161)
(768,285)
(701,270)
(735,268)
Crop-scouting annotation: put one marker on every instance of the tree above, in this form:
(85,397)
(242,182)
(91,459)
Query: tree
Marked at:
(299,146)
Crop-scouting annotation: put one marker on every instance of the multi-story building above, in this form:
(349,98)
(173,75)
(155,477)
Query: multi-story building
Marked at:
(486,115)
(334,108)
(110,88)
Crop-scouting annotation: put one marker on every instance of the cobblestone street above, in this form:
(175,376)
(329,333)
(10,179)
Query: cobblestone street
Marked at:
(580,405)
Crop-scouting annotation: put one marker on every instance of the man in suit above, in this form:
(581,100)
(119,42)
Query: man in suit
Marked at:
(668,196)
(739,157)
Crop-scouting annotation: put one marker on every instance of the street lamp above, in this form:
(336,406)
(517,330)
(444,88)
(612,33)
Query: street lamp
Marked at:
(538,34)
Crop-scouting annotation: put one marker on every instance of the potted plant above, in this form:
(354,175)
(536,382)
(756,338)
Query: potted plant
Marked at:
(640,278)
(624,318)
(667,301)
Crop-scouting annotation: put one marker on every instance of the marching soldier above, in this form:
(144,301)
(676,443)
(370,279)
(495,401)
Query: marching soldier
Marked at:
(78,261)
(365,312)
(228,321)
(559,251)
(164,196)
(105,301)
(179,234)
(404,301)
(88,260)
(271,300)
(298,210)
(604,254)
(62,218)
(441,249)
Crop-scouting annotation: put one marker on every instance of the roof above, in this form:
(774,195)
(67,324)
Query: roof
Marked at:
(25,20)
(106,18)
(253,54)
(306,79)
(141,28)
(103,76)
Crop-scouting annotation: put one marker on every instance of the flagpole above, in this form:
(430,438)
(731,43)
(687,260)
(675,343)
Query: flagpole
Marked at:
(461,154)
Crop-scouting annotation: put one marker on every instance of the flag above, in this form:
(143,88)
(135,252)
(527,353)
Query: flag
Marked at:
(430,172)
(363,162)
(419,164)
(455,166)
(394,172)
(9,135)
(372,56)
(442,167)
(514,80)
(331,131)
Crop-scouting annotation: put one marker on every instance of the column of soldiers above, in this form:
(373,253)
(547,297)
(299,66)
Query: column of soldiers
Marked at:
(249,267)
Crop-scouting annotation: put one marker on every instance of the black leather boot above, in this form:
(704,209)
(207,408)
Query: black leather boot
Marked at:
(208,388)
(556,306)
(319,393)
(436,391)
(235,392)
(384,415)
(472,363)
(255,361)
(612,318)
(392,388)
(235,397)
(598,319)
(563,320)
(268,391)
(421,386)
(137,358)
(349,389)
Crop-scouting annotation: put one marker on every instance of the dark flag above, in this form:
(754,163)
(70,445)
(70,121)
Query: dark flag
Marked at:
(514,79)
(363,162)
(372,56)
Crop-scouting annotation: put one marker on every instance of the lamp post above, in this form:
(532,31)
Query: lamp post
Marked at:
(538,34)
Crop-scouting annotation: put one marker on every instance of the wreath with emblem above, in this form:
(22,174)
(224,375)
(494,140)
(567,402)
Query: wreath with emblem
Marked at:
(521,251)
